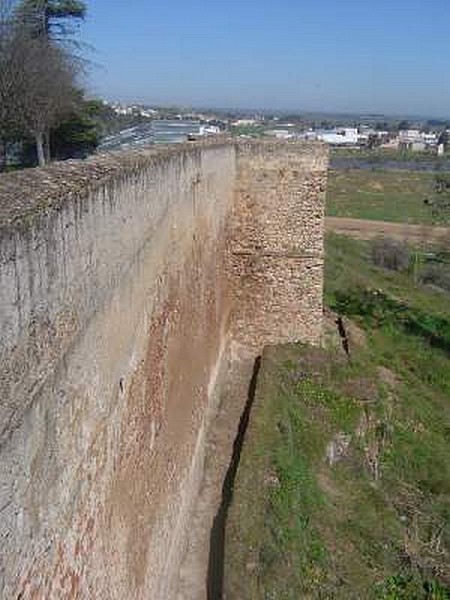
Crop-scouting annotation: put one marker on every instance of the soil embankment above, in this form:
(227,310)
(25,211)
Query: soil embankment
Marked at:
(342,486)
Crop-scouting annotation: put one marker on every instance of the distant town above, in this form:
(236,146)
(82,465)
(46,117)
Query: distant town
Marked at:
(351,131)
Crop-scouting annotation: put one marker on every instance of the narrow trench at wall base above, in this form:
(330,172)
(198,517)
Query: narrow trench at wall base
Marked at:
(215,577)
(201,571)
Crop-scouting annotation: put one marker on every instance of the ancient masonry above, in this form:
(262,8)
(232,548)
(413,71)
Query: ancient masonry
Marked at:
(123,281)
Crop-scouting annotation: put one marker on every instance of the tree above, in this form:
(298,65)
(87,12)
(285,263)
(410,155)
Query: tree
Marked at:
(404,125)
(48,94)
(382,126)
(6,78)
(39,68)
(38,73)
(11,76)
(443,139)
(79,134)
(37,84)
(50,18)
(373,141)
(440,203)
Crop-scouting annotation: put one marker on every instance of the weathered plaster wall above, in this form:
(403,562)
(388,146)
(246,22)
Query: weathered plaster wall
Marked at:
(121,281)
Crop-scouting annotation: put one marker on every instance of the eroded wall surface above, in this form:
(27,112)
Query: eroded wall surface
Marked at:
(277,253)
(122,279)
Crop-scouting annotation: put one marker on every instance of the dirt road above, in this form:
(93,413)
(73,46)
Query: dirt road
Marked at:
(366,230)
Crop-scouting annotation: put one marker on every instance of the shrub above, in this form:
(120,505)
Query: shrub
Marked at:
(436,274)
(390,254)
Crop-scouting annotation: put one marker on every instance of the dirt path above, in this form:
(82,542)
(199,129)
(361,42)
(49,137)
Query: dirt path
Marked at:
(202,568)
(366,230)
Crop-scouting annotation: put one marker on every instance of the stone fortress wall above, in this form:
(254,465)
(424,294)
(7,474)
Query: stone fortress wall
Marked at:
(123,280)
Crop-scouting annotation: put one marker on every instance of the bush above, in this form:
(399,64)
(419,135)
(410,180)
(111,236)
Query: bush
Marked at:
(407,587)
(436,274)
(376,309)
(390,254)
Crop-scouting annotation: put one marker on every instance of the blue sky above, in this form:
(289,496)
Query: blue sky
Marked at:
(390,56)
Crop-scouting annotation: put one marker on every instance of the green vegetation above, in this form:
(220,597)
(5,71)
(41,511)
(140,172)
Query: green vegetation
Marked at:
(40,67)
(248,130)
(382,155)
(397,196)
(401,196)
(44,114)
(108,122)
(343,490)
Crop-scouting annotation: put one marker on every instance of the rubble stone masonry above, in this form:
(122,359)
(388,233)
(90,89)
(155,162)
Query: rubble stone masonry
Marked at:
(123,279)
(277,249)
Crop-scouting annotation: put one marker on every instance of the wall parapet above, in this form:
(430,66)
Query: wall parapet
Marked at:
(122,279)
(28,193)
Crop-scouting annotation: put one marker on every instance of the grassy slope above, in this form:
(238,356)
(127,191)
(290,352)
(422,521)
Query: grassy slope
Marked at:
(380,195)
(376,524)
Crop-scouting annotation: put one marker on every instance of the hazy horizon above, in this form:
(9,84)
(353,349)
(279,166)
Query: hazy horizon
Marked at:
(357,57)
(280,111)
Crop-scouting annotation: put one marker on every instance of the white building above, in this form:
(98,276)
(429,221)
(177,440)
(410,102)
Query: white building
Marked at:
(416,140)
(245,122)
(280,134)
(345,136)
(209,130)
(409,136)
(431,139)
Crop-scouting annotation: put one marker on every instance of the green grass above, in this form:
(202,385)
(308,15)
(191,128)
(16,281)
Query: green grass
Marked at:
(382,155)
(376,523)
(248,130)
(396,196)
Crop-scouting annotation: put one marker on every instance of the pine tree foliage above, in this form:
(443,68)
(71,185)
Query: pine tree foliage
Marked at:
(52,18)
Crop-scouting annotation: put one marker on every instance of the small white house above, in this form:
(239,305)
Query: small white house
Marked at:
(345,136)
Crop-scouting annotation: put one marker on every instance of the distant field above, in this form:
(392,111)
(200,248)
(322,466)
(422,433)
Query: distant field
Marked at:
(382,155)
(380,195)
